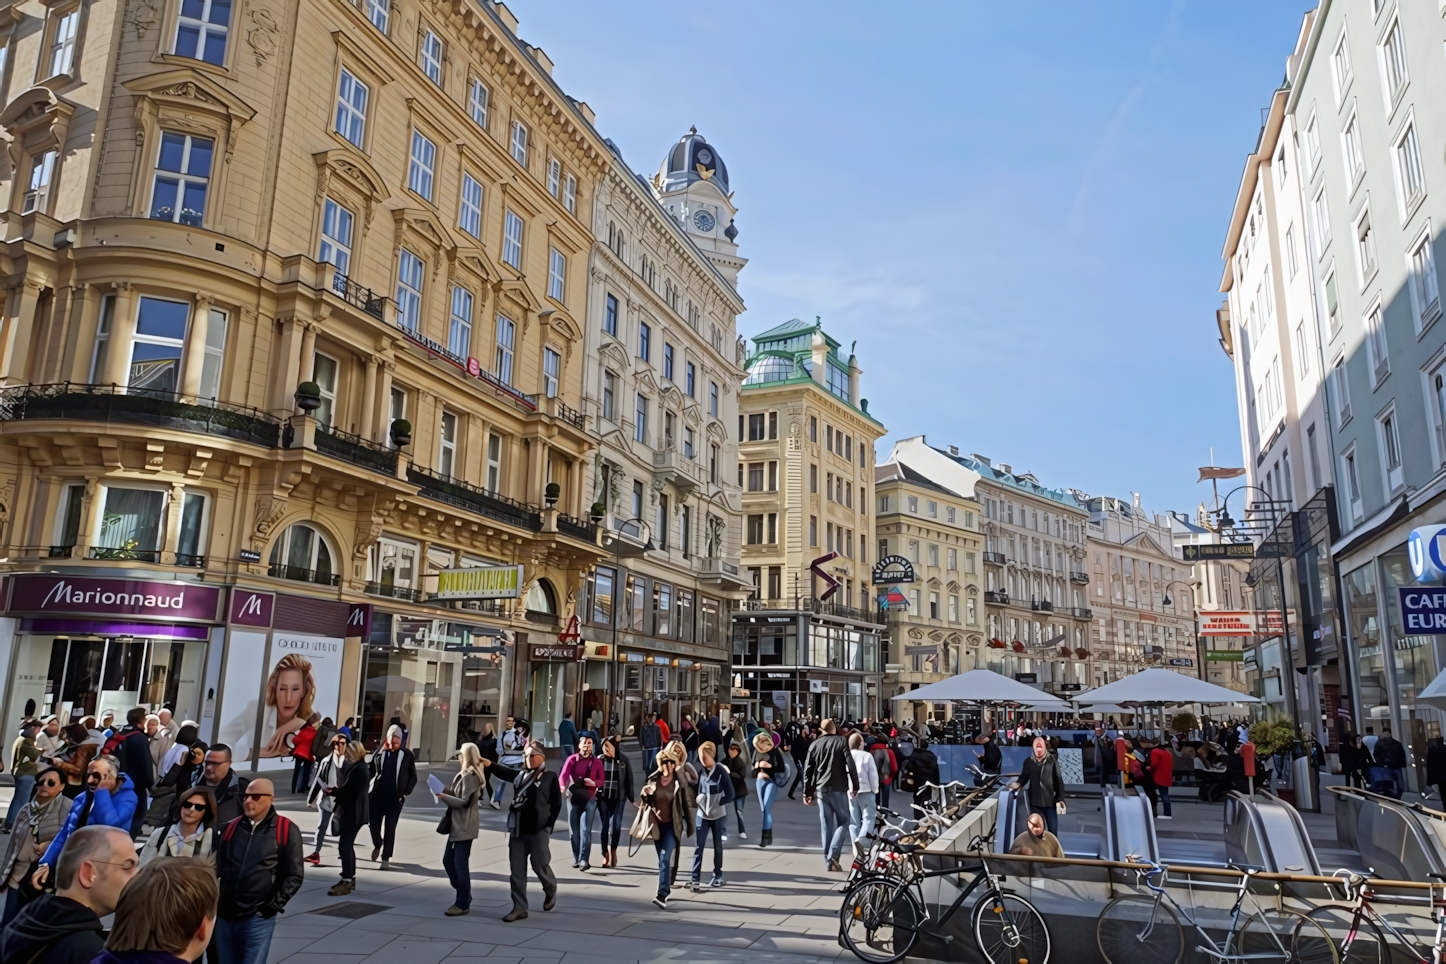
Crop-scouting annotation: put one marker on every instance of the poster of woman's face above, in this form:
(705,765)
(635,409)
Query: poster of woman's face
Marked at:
(305,678)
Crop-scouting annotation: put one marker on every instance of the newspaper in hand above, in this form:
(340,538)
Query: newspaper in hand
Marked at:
(434,784)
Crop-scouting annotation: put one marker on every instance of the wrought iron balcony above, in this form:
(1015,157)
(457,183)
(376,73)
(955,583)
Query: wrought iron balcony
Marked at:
(125,554)
(112,403)
(357,296)
(355,449)
(1041,605)
(577,528)
(298,574)
(1079,578)
(393,592)
(457,493)
(570,415)
(995,558)
(997,597)
(1079,612)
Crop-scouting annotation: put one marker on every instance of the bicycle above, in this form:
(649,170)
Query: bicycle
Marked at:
(1140,929)
(1365,942)
(882,917)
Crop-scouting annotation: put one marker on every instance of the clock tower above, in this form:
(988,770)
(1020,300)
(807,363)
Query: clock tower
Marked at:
(692,185)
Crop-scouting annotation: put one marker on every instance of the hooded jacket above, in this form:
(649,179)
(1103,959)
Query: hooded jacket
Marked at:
(95,808)
(52,930)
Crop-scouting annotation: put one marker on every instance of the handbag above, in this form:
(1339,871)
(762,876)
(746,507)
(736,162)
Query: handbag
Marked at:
(445,824)
(781,775)
(645,824)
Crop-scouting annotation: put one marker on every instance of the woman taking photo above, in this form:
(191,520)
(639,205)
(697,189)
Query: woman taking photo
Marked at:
(461,822)
(350,815)
(613,797)
(193,835)
(36,824)
(767,764)
(328,778)
(671,800)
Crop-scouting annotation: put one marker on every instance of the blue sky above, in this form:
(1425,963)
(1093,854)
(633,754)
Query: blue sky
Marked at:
(1016,209)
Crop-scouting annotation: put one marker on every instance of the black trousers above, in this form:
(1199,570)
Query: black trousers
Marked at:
(797,779)
(536,848)
(384,826)
(346,847)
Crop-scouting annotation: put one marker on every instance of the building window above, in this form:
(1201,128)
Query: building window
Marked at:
(469,216)
(351,108)
(157,348)
(447,448)
(201,29)
(556,274)
(324,374)
(609,394)
(1425,289)
(301,553)
(494,463)
(1410,178)
(813,530)
(505,333)
(1320,210)
(512,240)
(1341,66)
(667,361)
(1333,303)
(933,510)
(551,365)
(1312,141)
(952,557)
(212,362)
(685,533)
(431,57)
(1376,344)
(713,399)
(1390,449)
(1352,483)
(459,329)
(772,476)
(1365,247)
(1341,391)
(336,225)
(755,530)
(645,336)
(1437,405)
(519,143)
(688,449)
(62,42)
(640,419)
(690,373)
(379,12)
(42,172)
(1393,62)
(129,526)
(933,555)
(1302,350)
(183,172)
(409,291)
(569,194)
(477,97)
(554,177)
(1351,145)
(424,162)
(755,476)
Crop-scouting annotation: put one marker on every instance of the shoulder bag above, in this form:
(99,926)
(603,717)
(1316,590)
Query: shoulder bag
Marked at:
(645,824)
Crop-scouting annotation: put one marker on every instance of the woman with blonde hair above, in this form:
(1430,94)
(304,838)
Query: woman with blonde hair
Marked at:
(671,800)
(350,815)
(290,691)
(460,824)
(768,763)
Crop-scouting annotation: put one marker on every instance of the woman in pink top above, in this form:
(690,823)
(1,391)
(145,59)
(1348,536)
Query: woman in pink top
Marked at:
(582,774)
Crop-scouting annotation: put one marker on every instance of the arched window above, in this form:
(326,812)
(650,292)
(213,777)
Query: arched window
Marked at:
(301,553)
(542,601)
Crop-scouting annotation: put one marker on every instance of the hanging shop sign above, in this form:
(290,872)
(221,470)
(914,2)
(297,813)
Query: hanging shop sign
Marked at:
(1427,551)
(1224,656)
(1423,610)
(554,653)
(250,608)
(891,570)
(1224,550)
(182,601)
(1240,623)
(481,582)
(1026,677)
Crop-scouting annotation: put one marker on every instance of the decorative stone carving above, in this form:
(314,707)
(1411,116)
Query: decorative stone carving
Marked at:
(262,34)
(269,511)
(143,16)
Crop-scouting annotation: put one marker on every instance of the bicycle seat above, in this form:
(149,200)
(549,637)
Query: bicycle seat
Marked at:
(886,810)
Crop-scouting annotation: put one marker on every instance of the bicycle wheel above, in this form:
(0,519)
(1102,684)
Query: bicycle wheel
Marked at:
(879,920)
(1369,944)
(1288,937)
(1135,929)
(1009,930)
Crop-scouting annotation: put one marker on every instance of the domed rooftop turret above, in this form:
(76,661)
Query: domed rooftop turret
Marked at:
(693,159)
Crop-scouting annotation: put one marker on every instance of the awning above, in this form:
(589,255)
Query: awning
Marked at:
(1161,687)
(984,687)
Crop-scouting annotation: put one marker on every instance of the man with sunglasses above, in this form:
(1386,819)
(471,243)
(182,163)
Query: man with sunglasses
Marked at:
(64,927)
(108,800)
(259,866)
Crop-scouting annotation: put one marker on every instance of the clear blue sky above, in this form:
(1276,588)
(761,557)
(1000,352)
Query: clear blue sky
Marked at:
(1017,209)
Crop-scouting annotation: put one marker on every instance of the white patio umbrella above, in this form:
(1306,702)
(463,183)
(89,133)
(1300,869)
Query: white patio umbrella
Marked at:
(1435,692)
(1161,687)
(983,686)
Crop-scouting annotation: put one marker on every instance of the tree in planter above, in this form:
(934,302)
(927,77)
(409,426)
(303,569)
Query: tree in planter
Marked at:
(1183,723)
(308,397)
(1272,738)
(551,492)
(401,432)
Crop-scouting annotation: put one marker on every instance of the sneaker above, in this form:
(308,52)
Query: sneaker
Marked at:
(834,868)
(314,859)
(695,886)
(385,865)
(725,838)
(1165,817)
(455,911)
(495,805)
(584,866)
(661,903)
(576,864)
(716,882)
(742,835)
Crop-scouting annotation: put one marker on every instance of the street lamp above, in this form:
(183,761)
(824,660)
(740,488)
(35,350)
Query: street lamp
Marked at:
(617,542)
(1195,617)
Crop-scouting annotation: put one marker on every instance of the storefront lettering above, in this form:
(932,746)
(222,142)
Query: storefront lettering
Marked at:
(63,592)
(67,594)
(308,644)
(1423,610)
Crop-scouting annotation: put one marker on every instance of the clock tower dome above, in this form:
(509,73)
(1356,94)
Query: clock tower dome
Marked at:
(692,185)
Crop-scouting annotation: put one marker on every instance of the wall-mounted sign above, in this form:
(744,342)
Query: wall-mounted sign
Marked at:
(182,601)
(554,653)
(249,555)
(1026,677)
(1182,661)
(1224,656)
(249,608)
(891,570)
(482,582)
(818,686)
(1241,623)
(1427,550)
(1423,610)
(359,620)
(1224,550)
(1069,687)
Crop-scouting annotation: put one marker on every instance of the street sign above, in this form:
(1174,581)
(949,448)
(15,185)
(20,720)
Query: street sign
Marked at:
(830,584)
(892,570)
(1423,610)
(479,582)
(1224,656)
(1224,550)
(1026,677)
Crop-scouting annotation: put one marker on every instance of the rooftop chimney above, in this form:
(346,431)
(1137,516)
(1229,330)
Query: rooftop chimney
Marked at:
(509,19)
(543,61)
(1006,468)
(954,450)
(819,350)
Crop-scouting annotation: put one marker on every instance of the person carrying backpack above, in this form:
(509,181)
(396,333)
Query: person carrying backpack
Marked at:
(715,792)
(259,869)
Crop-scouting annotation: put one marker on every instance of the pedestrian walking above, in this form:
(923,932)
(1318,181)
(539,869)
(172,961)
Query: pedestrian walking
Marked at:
(24,767)
(460,824)
(1160,776)
(582,774)
(259,869)
(167,911)
(863,801)
(487,747)
(651,740)
(393,778)
(1045,787)
(829,777)
(567,735)
(132,748)
(715,792)
(612,797)
(536,802)
(36,824)
(108,800)
(798,748)
(513,744)
(227,786)
(303,762)
(351,802)
(768,770)
(1389,753)
(194,835)
(178,768)
(320,796)
(885,763)
(738,773)
(670,799)
(92,868)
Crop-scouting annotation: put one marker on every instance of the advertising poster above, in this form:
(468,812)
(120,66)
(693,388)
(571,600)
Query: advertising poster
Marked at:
(236,722)
(303,678)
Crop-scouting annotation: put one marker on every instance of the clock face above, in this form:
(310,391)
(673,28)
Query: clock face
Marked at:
(703,221)
(705,156)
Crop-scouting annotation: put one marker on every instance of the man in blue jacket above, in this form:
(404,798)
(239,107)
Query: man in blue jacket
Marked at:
(109,800)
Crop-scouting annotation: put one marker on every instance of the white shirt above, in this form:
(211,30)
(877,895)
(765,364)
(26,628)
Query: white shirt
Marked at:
(868,771)
(172,757)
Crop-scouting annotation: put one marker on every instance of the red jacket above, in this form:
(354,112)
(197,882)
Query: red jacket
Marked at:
(1162,767)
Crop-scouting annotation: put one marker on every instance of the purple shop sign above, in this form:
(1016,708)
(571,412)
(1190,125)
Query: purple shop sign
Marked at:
(250,608)
(84,595)
(359,620)
(96,627)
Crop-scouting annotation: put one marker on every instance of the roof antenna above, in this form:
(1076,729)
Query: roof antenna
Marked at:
(693,129)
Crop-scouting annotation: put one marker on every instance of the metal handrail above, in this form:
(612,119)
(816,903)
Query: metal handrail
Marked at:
(80,400)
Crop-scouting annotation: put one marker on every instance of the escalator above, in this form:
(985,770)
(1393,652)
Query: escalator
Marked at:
(1398,841)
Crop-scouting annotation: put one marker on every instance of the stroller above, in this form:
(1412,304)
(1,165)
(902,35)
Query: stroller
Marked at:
(1383,781)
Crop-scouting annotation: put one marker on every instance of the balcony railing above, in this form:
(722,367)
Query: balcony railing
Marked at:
(1080,612)
(357,296)
(1079,578)
(997,597)
(1041,605)
(393,592)
(111,403)
(464,496)
(60,552)
(994,558)
(571,415)
(577,528)
(298,574)
(116,554)
(191,560)
(355,449)
(824,607)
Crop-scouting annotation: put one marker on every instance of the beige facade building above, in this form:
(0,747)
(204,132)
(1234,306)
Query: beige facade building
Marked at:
(662,381)
(930,533)
(219,221)
(805,465)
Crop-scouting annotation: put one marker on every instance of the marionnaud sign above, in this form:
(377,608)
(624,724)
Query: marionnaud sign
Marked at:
(114,597)
(250,608)
(1423,610)
(1427,549)
(892,570)
(481,582)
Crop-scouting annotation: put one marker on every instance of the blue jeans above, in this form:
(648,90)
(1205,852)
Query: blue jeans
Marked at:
(833,820)
(244,941)
(24,787)
(455,860)
(579,824)
(610,821)
(862,809)
(566,749)
(326,818)
(12,906)
(716,828)
(650,760)
(666,844)
(766,791)
(740,802)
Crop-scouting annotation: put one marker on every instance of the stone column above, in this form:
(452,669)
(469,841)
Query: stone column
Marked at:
(193,356)
(19,332)
(308,353)
(122,330)
(289,356)
(369,398)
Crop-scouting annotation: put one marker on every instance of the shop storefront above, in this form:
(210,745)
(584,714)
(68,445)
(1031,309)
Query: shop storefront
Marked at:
(414,674)
(78,646)
(834,672)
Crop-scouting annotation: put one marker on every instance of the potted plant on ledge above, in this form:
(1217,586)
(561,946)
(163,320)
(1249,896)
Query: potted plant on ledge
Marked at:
(401,432)
(551,494)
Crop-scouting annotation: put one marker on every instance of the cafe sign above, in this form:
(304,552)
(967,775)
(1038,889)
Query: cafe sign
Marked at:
(479,582)
(1423,610)
(84,595)
(892,570)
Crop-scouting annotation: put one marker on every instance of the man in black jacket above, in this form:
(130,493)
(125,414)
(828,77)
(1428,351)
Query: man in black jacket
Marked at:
(64,928)
(394,776)
(259,867)
(536,802)
(1045,793)
(1389,753)
(830,775)
(217,776)
(134,754)
(650,738)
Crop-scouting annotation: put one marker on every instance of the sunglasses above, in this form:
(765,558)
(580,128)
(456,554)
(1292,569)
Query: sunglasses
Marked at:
(191,805)
(257,796)
(50,783)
